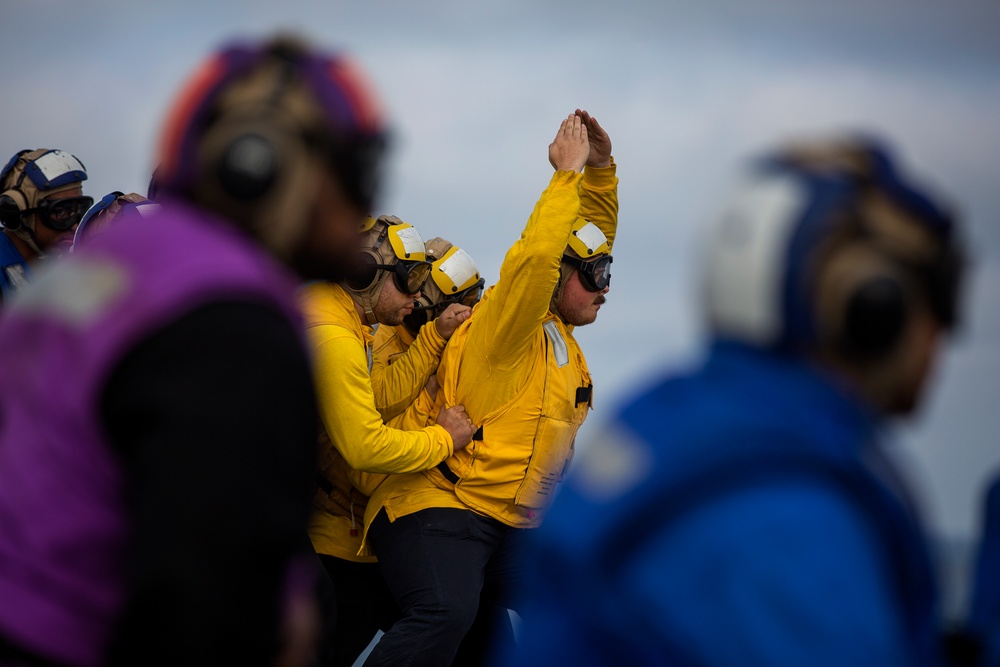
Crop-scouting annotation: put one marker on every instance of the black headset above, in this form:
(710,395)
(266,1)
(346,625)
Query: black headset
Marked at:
(10,210)
(365,271)
(873,302)
(252,157)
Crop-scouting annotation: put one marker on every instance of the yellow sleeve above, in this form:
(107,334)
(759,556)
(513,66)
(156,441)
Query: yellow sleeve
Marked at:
(503,330)
(347,409)
(599,199)
(365,482)
(419,414)
(398,384)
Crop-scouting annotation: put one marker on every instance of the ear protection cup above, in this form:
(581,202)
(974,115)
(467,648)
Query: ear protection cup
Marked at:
(365,274)
(10,212)
(864,303)
(256,169)
(248,167)
(876,314)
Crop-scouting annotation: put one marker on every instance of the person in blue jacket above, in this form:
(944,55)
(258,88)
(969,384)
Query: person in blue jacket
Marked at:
(41,203)
(744,512)
(984,613)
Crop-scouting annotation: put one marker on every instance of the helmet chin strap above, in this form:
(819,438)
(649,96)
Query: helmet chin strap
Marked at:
(27,234)
(368,300)
(565,273)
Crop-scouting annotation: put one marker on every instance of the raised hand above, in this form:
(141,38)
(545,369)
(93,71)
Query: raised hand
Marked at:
(570,149)
(457,423)
(451,318)
(600,142)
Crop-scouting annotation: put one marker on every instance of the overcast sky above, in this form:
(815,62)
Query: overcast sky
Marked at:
(476,90)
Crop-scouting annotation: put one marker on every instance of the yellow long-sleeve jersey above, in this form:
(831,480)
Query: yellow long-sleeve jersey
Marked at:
(518,371)
(352,404)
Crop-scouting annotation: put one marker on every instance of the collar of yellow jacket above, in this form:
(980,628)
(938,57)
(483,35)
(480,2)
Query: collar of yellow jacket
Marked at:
(551,313)
(326,303)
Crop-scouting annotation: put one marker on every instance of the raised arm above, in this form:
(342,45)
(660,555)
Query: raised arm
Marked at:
(397,385)
(507,321)
(347,410)
(599,192)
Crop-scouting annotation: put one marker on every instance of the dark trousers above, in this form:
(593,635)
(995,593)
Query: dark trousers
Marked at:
(440,565)
(355,605)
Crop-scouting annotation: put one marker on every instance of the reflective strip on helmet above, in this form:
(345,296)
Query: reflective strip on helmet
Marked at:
(458,267)
(55,168)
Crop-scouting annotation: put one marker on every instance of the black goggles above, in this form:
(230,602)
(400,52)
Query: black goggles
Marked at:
(425,312)
(409,276)
(61,214)
(470,296)
(595,274)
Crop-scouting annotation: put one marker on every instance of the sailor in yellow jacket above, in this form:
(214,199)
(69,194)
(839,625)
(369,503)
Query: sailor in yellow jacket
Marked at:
(353,404)
(446,537)
(454,279)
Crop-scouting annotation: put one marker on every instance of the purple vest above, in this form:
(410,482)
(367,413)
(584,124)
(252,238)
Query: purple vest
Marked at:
(63,527)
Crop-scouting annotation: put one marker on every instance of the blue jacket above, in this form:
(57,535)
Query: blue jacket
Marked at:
(739,515)
(984,618)
(10,261)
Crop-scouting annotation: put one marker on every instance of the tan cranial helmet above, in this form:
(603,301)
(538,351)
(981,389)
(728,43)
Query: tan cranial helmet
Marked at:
(454,279)
(391,246)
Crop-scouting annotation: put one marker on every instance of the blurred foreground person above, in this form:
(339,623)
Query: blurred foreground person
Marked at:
(743,513)
(447,539)
(158,438)
(983,632)
(111,210)
(41,202)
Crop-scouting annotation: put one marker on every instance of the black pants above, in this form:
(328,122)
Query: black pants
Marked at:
(440,565)
(356,604)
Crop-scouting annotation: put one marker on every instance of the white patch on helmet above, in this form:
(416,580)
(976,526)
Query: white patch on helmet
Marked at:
(459,267)
(410,238)
(54,164)
(592,236)
(747,259)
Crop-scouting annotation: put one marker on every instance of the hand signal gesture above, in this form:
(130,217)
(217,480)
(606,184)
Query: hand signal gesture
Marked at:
(570,149)
(600,142)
